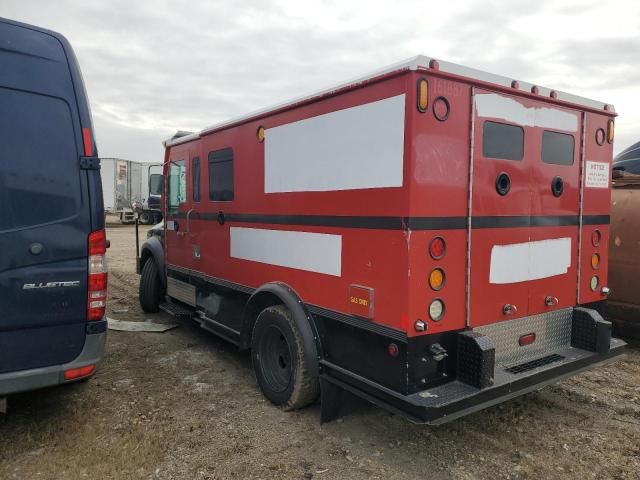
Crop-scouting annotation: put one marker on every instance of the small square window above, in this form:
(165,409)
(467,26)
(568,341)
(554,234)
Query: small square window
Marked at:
(557,148)
(500,140)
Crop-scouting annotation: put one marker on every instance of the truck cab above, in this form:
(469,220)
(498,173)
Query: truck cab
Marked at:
(53,276)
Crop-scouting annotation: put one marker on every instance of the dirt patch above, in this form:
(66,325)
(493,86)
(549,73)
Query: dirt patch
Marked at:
(184,404)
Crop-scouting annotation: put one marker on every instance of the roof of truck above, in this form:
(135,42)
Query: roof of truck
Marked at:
(419,62)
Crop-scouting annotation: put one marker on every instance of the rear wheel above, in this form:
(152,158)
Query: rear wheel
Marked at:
(283,361)
(150,287)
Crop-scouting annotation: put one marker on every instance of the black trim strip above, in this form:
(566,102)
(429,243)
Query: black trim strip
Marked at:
(358,322)
(403,223)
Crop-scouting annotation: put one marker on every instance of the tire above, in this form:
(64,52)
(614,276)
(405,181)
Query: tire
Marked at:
(146,218)
(284,359)
(150,287)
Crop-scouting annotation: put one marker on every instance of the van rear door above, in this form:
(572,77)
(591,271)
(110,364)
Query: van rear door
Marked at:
(45,200)
(524,207)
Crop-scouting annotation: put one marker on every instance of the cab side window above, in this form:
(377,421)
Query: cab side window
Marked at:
(195,178)
(221,175)
(177,185)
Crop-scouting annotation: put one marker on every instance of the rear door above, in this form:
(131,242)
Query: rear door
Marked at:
(524,208)
(45,218)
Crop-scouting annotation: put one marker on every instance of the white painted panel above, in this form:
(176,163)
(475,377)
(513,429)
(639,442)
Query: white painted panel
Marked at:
(492,105)
(521,262)
(354,148)
(314,252)
(597,175)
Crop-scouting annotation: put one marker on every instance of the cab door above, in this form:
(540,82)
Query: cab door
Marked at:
(177,223)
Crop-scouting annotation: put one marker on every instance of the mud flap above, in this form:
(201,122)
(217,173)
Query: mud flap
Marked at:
(336,402)
(589,331)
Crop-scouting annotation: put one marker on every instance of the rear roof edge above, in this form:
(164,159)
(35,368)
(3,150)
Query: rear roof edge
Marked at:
(419,62)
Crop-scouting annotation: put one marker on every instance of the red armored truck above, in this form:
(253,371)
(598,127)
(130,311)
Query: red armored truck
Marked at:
(430,238)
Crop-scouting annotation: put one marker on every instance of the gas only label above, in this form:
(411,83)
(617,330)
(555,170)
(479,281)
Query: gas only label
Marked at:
(597,175)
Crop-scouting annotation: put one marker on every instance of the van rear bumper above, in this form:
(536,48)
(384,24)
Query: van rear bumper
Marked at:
(481,380)
(24,380)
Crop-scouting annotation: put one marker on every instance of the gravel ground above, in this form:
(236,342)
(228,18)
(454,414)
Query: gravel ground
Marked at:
(185,405)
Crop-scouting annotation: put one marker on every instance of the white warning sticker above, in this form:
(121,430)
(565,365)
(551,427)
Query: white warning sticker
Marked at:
(597,175)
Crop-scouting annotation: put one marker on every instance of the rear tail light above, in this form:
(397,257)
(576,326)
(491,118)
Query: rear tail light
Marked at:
(436,279)
(97,279)
(437,248)
(596,237)
(595,261)
(80,372)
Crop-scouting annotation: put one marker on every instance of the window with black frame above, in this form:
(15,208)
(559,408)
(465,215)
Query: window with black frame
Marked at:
(557,148)
(195,178)
(221,175)
(502,141)
(177,185)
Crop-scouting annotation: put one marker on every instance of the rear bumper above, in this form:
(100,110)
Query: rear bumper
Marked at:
(20,381)
(479,390)
(456,399)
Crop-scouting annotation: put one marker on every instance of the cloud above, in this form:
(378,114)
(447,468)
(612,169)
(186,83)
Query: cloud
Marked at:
(155,67)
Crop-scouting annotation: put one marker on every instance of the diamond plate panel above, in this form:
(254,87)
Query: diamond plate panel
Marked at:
(181,291)
(552,329)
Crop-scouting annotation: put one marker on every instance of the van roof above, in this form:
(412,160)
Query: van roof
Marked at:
(419,62)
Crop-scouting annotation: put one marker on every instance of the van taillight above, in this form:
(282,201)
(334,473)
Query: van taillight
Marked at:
(97,279)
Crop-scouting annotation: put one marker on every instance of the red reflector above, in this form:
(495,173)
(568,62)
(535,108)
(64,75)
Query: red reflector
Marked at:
(437,248)
(527,339)
(393,350)
(75,373)
(86,140)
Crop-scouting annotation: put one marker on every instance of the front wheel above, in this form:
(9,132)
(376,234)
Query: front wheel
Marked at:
(284,362)
(150,287)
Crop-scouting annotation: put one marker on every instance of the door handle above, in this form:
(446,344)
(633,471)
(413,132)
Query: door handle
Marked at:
(551,301)
(188,231)
(509,309)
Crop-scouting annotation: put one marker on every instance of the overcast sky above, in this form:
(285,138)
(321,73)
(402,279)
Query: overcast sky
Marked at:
(154,67)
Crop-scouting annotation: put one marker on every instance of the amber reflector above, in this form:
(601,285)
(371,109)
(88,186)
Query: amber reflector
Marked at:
(610,131)
(260,134)
(595,260)
(436,279)
(423,95)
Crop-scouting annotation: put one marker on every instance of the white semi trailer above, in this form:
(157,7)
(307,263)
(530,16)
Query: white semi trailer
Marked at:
(131,187)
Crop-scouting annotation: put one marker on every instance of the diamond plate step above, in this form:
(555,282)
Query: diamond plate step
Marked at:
(178,311)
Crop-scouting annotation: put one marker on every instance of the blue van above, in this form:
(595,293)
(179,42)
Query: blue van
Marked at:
(53,276)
